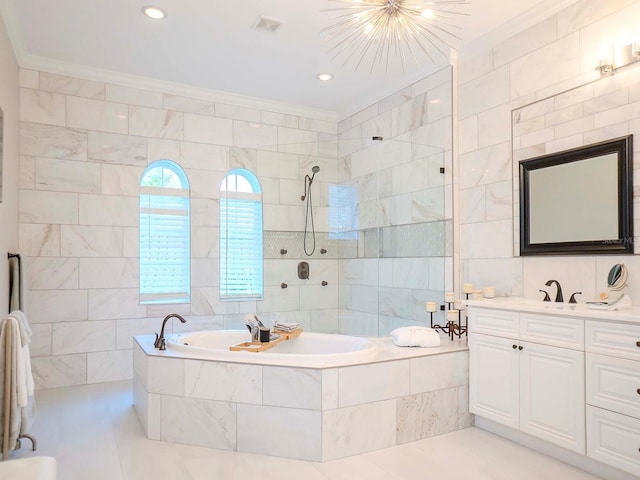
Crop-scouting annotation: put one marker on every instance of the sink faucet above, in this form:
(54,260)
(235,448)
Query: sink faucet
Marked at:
(160,342)
(559,298)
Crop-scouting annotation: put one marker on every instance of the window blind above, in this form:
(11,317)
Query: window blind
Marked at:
(241,248)
(165,268)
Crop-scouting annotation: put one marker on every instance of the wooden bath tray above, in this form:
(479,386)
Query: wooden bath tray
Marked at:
(261,347)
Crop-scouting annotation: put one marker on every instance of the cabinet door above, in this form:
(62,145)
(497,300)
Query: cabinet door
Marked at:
(552,405)
(493,378)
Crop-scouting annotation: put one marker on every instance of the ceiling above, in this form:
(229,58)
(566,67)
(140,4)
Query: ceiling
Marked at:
(211,45)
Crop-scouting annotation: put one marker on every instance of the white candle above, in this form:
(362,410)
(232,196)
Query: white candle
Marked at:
(431,306)
(467,288)
(452,315)
(449,297)
(489,292)
(458,305)
(477,294)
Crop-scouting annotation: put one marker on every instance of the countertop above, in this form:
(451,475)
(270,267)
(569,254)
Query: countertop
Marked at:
(575,310)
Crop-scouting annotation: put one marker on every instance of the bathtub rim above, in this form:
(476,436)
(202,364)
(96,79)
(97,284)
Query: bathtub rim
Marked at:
(386,351)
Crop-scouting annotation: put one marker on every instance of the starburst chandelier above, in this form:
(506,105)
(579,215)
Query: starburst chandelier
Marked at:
(381,29)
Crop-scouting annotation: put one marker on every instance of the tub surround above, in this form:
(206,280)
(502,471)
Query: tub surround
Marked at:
(314,413)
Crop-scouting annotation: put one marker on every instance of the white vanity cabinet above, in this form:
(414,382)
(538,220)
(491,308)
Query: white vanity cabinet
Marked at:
(527,372)
(613,394)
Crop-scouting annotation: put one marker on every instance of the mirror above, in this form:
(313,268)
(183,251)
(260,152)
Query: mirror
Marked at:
(617,278)
(579,201)
(1,149)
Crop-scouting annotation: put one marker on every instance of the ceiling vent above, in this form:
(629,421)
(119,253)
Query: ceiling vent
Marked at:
(268,24)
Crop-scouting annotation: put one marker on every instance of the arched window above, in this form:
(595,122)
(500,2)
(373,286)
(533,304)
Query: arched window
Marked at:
(241,257)
(164,234)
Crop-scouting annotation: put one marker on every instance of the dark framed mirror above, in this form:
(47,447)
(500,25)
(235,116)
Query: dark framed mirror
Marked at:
(579,201)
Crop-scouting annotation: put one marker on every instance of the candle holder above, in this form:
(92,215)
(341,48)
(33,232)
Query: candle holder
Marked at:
(454,325)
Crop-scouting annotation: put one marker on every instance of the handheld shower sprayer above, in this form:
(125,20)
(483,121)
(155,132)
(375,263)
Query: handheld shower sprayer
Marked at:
(308,180)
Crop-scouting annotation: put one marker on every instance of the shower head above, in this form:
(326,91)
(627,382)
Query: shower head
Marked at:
(308,180)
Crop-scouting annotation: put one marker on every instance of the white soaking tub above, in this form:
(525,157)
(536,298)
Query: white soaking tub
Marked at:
(307,349)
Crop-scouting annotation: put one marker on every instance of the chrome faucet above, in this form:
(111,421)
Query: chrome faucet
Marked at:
(559,298)
(160,342)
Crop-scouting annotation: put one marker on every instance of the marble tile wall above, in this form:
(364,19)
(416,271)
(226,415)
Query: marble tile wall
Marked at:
(544,76)
(83,148)
(402,219)
(303,413)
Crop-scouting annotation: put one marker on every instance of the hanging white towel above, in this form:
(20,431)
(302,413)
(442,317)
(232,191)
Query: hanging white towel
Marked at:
(24,380)
(20,395)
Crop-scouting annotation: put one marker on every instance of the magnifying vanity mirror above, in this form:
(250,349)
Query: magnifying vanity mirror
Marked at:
(578,202)
(617,278)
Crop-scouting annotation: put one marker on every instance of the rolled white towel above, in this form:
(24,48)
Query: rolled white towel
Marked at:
(415,337)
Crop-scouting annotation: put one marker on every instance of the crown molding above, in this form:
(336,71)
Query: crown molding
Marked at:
(34,62)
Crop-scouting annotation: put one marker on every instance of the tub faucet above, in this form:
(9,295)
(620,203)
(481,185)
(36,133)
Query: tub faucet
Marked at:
(160,342)
(559,298)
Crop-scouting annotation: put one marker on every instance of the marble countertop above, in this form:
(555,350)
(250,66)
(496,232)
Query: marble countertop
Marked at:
(386,351)
(575,310)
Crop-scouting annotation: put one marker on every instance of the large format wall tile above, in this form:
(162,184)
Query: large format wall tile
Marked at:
(77,337)
(196,421)
(97,115)
(109,366)
(294,388)
(198,381)
(295,433)
(51,141)
(59,370)
(153,122)
(48,207)
(118,149)
(370,383)
(67,176)
(42,107)
(362,428)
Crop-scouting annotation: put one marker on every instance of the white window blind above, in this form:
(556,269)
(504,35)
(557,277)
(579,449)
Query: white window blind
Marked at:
(241,237)
(164,234)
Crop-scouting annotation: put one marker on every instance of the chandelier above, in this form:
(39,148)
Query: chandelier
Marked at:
(381,29)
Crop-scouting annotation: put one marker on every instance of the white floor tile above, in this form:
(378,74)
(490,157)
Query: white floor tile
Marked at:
(94,433)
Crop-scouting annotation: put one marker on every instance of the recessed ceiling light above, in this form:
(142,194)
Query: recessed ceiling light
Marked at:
(324,77)
(154,12)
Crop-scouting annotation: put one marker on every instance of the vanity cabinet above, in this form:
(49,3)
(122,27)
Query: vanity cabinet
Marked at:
(613,394)
(527,372)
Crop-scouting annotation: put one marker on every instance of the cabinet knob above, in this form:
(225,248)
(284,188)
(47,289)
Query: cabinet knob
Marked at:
(520,347)
(638,390)
(638,344)
(515,346)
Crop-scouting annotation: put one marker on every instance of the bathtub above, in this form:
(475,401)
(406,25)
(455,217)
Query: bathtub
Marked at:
(309,349)
(317,397)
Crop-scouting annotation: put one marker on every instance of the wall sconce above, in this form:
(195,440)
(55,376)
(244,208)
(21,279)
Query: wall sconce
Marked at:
(611,58)
(605,60)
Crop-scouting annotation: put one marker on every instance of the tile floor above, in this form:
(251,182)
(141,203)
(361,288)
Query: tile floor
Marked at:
(94,433)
